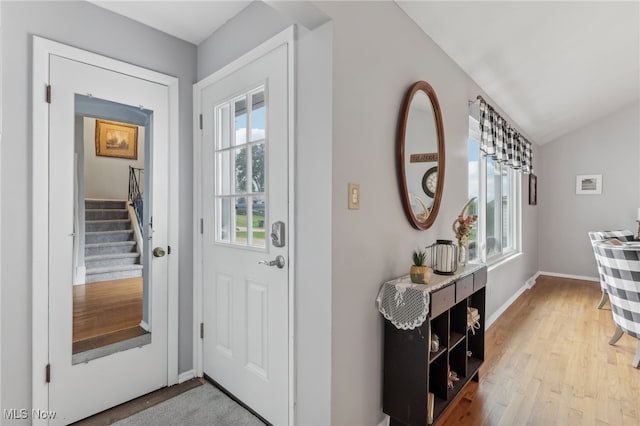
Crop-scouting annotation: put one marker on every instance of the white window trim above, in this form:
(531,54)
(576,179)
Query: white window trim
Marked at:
(516,209)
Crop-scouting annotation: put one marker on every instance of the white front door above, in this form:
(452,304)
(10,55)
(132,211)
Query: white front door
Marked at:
(246,236)
(79,389)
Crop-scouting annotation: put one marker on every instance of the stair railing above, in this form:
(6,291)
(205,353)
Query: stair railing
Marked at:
(136,191)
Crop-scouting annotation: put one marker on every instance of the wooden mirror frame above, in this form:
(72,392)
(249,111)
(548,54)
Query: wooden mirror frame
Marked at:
(400,145)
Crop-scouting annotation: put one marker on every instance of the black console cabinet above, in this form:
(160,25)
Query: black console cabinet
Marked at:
(412,371)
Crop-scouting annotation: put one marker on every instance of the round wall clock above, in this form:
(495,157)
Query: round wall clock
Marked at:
(430,182)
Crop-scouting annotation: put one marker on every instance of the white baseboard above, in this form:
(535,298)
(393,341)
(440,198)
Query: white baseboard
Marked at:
(81,275)
(532,281)
(187,375)
(385,421)
(145,326)
(489,322)
(570,276)
(527,286)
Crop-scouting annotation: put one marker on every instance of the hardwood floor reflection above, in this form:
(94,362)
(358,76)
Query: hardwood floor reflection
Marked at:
(106,312)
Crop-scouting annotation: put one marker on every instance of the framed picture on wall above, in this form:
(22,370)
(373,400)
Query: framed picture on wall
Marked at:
(533,190)
(589,184)
(114,139)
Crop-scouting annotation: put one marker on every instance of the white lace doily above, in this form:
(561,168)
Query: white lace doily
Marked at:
(405,304)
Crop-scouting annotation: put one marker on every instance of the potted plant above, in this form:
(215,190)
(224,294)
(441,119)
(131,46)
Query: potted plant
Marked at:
(420,273)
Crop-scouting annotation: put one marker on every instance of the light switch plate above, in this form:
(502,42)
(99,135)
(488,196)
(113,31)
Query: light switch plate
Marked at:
(354,196)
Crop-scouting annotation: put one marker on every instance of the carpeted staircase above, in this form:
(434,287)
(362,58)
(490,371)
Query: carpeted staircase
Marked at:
(110,248)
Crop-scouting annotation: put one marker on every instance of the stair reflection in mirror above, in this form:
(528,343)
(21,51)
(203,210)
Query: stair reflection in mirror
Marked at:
(111,251)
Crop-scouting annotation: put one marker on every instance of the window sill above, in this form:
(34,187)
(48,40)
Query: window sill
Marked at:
(501,260)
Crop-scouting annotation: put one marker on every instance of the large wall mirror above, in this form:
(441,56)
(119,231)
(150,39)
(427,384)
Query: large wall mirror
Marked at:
(420,151)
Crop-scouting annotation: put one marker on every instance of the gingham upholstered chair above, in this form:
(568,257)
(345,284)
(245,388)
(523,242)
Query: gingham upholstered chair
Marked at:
(623,235)
(620,265)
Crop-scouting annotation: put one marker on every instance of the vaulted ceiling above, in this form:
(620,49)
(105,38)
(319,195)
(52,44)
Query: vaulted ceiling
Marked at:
(551,66)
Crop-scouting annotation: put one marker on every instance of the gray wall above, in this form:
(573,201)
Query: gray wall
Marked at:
(83,25)
(610,147)
(378,52)
(257,23)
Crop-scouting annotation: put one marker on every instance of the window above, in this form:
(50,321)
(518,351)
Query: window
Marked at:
(240,155)
(497,188)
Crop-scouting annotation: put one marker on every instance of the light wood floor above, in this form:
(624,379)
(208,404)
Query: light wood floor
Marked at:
(548,362)
(106,312)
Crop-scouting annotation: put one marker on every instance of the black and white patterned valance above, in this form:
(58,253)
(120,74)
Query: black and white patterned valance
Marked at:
(501,141)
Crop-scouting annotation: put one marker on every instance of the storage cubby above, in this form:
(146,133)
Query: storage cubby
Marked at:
(458,324)
(412,370)
(475,338)
(458,360)
(438,379)
(440,328)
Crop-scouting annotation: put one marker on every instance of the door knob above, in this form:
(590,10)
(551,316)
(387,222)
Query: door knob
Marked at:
(278,261)
(158,252)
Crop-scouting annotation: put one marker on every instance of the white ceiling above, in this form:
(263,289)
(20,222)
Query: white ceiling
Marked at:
(551,66)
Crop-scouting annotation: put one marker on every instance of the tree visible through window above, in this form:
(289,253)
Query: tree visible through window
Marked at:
(257,161)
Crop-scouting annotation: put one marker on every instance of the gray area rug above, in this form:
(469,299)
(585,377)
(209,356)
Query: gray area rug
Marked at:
(204,405)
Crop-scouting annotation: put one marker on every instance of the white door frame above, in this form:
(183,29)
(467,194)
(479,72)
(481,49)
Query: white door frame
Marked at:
(42,49)
(287,38)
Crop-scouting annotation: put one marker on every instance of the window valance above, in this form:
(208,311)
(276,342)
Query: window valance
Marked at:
(502,142)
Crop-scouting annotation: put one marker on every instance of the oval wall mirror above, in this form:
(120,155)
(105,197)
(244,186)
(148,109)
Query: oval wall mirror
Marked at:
(420,155)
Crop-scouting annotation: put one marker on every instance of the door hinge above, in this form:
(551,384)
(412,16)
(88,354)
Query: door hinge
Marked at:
(202,226)
(168,249)
(202,330)
(200,121)
(47,373)
(48,94)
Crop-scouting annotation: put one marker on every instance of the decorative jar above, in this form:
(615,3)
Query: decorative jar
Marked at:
(444,255)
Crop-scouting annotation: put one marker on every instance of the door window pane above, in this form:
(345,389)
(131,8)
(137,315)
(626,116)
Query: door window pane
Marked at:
(257,116)
(258,222)
(240,161)
(257,167)
(241,121)
(241,227)
(223,173)
(223,212)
